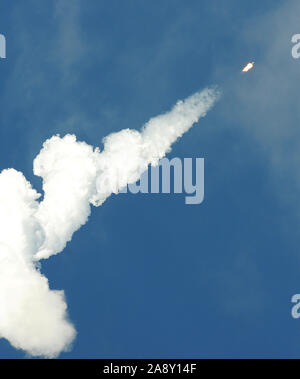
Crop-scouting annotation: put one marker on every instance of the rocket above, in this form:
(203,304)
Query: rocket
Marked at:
(248,67)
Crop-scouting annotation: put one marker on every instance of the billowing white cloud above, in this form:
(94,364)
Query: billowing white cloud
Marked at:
(75,175)
(32,317)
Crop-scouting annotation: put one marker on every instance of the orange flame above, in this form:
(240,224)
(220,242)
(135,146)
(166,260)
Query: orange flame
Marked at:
(248,67)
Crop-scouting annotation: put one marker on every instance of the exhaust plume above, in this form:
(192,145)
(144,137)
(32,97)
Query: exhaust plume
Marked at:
(75,175)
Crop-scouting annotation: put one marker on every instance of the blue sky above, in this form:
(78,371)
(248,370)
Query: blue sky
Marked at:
(148,276)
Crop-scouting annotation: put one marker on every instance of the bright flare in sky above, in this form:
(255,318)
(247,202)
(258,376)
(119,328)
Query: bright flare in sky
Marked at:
(248,67)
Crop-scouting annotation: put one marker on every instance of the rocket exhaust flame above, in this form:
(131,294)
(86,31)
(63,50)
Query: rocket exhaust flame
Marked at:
(248,67)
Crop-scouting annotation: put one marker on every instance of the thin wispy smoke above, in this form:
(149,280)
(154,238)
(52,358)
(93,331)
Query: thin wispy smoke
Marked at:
(75,175)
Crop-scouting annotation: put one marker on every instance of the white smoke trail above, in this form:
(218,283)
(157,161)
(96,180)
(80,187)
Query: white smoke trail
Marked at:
(32,317)
(75,175)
